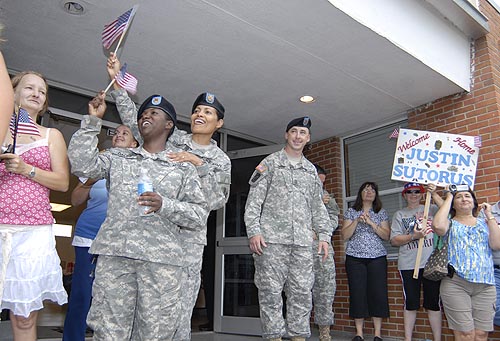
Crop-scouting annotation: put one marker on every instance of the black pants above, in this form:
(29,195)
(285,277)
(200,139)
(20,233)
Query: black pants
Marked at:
(367,279)
(208,267)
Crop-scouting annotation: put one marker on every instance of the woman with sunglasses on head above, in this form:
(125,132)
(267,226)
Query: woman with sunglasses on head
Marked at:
(468,293)
(406,230)
(365,227)
(30,266)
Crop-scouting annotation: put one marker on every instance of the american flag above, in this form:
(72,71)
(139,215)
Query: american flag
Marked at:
(477,141)
(25,125)
(113,30)
(394,134)
(126,80)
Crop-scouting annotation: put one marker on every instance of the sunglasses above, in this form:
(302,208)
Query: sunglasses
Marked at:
(413,191)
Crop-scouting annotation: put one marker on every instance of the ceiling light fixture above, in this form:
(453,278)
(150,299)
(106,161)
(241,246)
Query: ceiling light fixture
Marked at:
(74,8)
(307,99)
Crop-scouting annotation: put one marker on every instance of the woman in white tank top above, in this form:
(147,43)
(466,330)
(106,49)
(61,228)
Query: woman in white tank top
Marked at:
(30,267)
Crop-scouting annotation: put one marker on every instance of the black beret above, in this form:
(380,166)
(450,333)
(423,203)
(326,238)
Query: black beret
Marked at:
(299,122)
(160,102)
(210,100)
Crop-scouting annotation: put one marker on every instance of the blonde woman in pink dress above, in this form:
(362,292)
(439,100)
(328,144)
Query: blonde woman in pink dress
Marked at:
(30,267)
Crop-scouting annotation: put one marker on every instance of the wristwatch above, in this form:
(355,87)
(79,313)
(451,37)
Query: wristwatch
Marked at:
(32,173)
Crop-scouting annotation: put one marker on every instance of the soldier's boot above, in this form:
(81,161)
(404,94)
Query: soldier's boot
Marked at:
(298,338)
(324,333)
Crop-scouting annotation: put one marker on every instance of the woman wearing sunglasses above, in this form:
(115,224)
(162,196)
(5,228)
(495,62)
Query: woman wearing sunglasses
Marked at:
(406,230)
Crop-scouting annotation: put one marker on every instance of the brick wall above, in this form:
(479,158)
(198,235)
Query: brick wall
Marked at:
(474,113)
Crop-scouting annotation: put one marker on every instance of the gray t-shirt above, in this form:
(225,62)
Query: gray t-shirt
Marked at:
(403,223)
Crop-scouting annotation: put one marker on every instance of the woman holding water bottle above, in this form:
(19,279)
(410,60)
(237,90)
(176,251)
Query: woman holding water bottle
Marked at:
(137,285)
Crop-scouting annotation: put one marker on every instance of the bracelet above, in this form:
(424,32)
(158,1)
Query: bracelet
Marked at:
(490,218)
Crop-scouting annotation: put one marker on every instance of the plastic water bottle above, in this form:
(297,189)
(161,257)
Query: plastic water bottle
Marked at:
(145,184)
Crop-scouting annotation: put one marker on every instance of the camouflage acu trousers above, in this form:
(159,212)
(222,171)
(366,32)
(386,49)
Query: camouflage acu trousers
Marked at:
(288,268)
(190,286)
(324,287)
(134,300)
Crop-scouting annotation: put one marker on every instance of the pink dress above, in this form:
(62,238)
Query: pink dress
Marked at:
(31,271)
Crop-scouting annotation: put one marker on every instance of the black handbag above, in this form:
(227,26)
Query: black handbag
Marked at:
(436,267)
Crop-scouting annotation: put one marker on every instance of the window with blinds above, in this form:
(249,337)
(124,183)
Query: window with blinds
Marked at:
(369,157)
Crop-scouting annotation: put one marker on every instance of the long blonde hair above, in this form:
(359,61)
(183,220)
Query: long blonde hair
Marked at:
(17,79)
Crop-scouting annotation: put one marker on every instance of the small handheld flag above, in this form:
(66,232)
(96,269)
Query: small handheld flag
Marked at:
(126,80)
(477,141)
(25,124)
(394,134)
(117,28)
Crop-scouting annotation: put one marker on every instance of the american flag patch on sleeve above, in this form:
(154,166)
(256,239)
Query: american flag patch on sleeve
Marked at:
(261,168)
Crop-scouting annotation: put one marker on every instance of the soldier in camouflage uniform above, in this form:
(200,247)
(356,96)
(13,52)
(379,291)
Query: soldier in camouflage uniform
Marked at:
(283,206)
(136,293)
(324,272)
(213,167)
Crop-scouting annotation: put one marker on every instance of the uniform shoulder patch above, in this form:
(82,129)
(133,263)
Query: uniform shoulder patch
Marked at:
(259,173)
(261,168)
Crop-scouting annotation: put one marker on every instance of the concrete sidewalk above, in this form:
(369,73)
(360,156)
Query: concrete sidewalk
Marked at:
(336,336)
(53,334)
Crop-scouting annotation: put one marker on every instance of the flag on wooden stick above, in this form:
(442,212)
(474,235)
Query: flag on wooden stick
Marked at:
(126,80)
(25,124)
(116,28)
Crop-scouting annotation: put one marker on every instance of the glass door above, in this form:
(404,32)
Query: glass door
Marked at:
(236,301)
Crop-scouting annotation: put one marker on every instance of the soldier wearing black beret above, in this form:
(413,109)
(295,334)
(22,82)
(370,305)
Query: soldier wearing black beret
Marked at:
(209,100)
(214,169)
(158,102)
(284,205)
(299,122)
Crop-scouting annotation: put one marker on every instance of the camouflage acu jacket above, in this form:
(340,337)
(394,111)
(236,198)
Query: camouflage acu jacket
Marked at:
(333,211)
(124,232)
(285,202)
(215,173)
